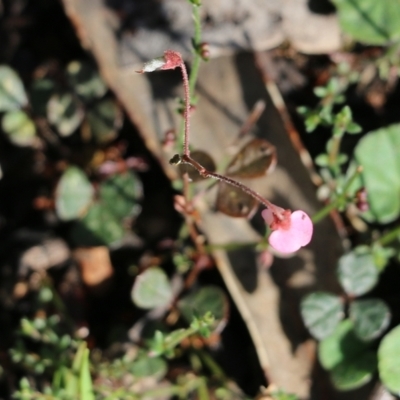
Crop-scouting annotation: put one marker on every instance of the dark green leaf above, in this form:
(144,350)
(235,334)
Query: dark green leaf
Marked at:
(12,92)
(370,21)
(321,313)
(152,289)
(357,273)
(120,194)
(379,154)
(370,318)
(342,345)
(98,227)
(105,120)
(19,128)
(354,373)
(389,360)
(64,112)
(41,91)
(207,299)
(74,194)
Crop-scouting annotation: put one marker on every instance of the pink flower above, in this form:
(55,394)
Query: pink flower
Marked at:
(290,230)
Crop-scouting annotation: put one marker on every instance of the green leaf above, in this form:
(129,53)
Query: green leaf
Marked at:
(85,380)
(322,160)
(381,256)
(19,127)
(354,373)
(321,312)
(105,119)
(370,21)
(353,128)
(40,93)
(370,318)
(74,194)
(207,299)
(342,345)
(85,80)
(64,112)
(320,91)
(98,227)
(149,366)
(120,193)
(389,360)
(357,273)
(379,154)
(152,289)
(12,92)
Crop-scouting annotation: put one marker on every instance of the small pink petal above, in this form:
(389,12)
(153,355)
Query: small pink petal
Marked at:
(268,216)
(297,235)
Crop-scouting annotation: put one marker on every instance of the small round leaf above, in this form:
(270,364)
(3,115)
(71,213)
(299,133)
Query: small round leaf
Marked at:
(98,227)
(357,273)
(234,202)
(321,313)
(370,317)
(204,159)
(207,299)
(105,119)
(149,366)
(389,360)
(152,289)
(19,127)
(120,194)
(64,112)
(74,194)
(12,92)
(85,80)
(255,159)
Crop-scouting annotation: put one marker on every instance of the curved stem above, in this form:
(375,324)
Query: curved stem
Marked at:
(208,174)
(389,236)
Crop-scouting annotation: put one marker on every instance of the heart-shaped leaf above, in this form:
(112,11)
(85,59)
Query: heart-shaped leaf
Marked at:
(389,360)
(85,80)
(321,313)
(12,92)
(74,194)
(104,119)
(64,112)
(370,21)
(19,127)
(234,202)
(357,273)
(370,317)
(152,289)
(256,158)
(379,154)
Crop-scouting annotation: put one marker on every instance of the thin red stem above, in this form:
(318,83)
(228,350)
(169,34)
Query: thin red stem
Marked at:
(208,174)
(186,112)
